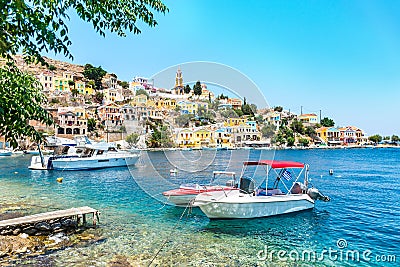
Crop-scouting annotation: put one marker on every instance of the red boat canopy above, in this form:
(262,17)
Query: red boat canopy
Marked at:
(276,164)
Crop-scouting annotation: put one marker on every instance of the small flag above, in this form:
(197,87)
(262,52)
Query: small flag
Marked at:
(287,175)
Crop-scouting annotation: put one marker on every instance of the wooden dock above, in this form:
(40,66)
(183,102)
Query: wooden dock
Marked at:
(75,213)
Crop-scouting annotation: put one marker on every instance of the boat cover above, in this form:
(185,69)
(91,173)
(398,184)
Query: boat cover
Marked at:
(276,164)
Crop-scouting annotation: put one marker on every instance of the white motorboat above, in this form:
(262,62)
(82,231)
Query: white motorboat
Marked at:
(252,202)
(185,194)
(97,156)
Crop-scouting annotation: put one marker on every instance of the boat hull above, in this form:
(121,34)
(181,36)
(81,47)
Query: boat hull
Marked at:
(74,164)
(181,200)
(245,206)
(5,153)
(185,196)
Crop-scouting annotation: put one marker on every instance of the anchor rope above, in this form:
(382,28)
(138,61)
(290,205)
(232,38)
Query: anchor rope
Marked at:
(188,206)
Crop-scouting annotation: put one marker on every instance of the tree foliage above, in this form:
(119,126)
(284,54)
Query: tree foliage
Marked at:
(98,97)
(310,131)
(290,141)
(183,120)
(132,139)
(142,92)
(160,138)
(278,109)
(95,74)
(297,127)
(91,124)
(187,89)
(41,26)
(124,84)
(74,92)
(33,27)
(268,130)
(395,138)
(228,113)
(327,122)
(197,88)
(303,141)
(21,100)
(375,138)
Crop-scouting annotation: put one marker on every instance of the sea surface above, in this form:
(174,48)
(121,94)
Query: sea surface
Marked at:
(362,218)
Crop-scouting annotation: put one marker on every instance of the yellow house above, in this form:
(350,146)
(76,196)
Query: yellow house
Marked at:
(203,138)
(140,100)
(187,107)
(166,103)
(309,118)
(62,83)
(88,90)
(80,86)
(189,138)
(185,138)
(235,122)
(322,133)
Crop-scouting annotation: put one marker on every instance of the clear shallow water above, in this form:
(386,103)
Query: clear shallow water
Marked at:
(364,210)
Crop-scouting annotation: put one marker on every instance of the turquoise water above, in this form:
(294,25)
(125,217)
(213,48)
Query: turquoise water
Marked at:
(363,213)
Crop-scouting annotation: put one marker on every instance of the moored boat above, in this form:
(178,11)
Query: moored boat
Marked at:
(251,202)
(96,156)
(5,152)
(185,194)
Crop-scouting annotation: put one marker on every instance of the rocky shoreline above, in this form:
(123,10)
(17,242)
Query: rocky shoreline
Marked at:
(30,240)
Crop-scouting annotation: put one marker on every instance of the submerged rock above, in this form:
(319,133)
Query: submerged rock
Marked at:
(43,226)
(119,261)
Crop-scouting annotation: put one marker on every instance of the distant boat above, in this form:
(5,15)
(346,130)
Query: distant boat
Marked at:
(97,156)
(209,148)
(5,152)
(186,149)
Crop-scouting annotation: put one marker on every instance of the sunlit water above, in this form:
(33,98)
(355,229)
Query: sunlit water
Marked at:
(364,211)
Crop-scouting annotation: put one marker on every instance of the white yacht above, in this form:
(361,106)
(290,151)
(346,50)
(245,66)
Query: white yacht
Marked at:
(91,156)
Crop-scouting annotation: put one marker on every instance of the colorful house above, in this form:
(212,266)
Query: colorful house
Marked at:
(187,107)
(274,118)
(71,121)
(235,102)
(223,137)
(185,138)
(80,86)
(203,138)
(330,135)
(309,119)
(166,103)
(206,94)
(235,122)
(140,100)
(110,114)
(61,84)
(46,78)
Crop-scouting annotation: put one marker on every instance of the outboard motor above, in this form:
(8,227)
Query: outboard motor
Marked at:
(316,195)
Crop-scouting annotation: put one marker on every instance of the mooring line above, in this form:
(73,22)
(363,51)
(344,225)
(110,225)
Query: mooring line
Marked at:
(170,234)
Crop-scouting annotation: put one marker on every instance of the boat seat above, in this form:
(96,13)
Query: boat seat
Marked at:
(247,185)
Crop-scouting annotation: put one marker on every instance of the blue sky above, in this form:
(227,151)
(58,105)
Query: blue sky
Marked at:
(342,57)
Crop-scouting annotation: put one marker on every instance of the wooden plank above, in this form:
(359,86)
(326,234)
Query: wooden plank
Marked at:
(48,216)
